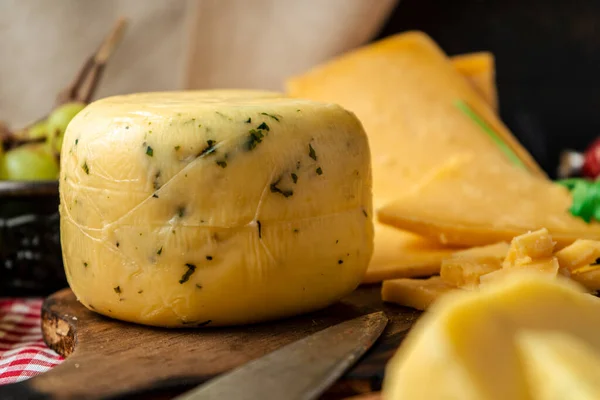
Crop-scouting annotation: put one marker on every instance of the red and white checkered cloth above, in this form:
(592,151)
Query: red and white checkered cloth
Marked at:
(23,353)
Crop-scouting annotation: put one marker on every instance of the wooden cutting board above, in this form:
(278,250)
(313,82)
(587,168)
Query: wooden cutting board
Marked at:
(107,358)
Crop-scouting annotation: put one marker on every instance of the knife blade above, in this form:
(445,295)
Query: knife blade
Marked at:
(302,370)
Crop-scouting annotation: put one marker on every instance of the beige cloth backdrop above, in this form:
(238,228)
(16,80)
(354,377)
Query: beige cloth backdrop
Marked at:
(171,44)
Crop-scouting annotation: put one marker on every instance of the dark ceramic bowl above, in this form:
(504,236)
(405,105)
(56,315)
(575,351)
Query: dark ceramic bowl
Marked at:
(30,255)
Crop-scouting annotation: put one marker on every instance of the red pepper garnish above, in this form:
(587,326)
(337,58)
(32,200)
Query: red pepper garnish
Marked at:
(591,163)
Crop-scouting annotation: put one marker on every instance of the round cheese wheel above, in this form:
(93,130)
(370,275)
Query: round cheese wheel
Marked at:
(214,207)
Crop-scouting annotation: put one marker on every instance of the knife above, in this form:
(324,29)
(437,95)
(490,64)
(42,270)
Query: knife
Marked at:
(302,370)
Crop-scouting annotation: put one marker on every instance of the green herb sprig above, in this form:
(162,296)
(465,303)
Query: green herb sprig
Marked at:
(586,198)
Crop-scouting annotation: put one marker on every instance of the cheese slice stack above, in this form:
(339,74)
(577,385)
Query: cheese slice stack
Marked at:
(401,254)
(480,266)
(528,337)
(214,208)
(404,89)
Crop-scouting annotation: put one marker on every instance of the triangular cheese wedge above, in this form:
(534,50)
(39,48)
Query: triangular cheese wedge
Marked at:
(401,254)
(404,91)
(480,71)
(475,204)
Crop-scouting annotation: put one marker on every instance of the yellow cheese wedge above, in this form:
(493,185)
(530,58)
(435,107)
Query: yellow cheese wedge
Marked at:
(559,365)
(468,346)
(401,254)
(216,207)
(403,89)
(579,254)
(415,293)
(480,70)
(464,268)
(477,204)
(529,247)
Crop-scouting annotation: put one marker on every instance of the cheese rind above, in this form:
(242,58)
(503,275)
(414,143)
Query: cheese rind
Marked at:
(225,206)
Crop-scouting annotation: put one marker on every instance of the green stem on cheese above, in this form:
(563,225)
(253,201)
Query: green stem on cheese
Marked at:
(468,111)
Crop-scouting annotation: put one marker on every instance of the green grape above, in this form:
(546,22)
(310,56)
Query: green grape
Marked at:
(3,173)
(30,163)
(38,130)
(59,120)
(35,131)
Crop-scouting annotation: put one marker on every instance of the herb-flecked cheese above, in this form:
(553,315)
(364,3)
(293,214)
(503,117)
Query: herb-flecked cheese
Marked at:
(214,207)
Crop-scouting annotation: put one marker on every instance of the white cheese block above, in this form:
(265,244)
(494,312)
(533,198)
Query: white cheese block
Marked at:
(215,207)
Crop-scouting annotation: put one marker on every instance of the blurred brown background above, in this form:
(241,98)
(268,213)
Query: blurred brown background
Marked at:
(546,50)
(172,44)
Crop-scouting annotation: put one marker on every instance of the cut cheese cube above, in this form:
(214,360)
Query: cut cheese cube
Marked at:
(531,246)
(468,342)
(415,293)
(480,71)
(464,268)
(588,276)
(215,207)
(579,254)
(488,203)
(467,272)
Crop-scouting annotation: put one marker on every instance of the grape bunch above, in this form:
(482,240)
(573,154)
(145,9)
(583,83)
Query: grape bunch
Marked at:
(35,150)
